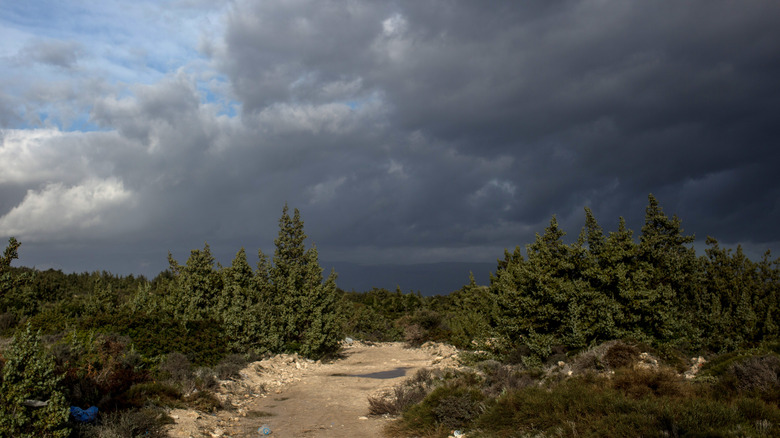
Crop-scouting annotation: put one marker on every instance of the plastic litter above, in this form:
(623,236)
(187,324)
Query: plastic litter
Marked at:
(264,430)
(84,415)
(35,403)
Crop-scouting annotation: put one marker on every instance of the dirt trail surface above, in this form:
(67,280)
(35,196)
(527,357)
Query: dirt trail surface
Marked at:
(296,397)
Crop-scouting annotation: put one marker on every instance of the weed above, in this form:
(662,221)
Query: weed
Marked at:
(204,401)
(230,366)
(176,366)
(132,423)
(395,402)
(157,393)
(638,383)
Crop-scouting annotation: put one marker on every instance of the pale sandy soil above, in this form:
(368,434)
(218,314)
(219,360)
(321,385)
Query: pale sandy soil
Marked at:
(296,397)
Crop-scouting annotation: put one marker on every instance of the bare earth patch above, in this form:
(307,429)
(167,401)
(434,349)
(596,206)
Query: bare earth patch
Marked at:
(296,397)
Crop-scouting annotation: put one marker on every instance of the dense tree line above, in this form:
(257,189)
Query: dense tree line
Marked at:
(554,296)
(656,291)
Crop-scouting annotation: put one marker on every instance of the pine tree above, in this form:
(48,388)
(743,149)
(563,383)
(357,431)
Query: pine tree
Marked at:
(7,282)
(306,308)
(29,375)
(670,273)
(195,286)
(239,307)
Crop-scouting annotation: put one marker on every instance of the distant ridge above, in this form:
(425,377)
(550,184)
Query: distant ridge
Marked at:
(429,278)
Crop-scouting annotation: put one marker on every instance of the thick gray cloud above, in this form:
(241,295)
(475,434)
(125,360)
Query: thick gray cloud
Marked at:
(406,132)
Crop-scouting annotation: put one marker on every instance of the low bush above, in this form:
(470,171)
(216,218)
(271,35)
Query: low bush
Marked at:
(176,367)
(230,366)
(395,402)
(756,374)
(621,355)
(422,326)
(402,396)
(145,422)
(638,383)
(500,378)
(155,393)
(204,401)
(456,407)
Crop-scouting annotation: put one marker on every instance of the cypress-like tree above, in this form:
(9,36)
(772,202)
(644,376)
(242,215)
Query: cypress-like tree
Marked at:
(11,253)
(670,278)
(195,286)
(240,307)
(306,308)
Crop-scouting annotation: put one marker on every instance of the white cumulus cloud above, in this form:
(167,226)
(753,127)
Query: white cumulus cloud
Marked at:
(59,210)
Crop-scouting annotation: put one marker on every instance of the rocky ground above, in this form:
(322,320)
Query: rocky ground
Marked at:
(296,397)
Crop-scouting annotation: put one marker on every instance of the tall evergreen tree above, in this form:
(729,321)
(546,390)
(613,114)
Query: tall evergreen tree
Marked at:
(240,307)
(7,282)
(306,308)
(195,286)
(670,278)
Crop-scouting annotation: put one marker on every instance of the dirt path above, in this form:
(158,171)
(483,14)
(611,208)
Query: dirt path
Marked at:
(299,398)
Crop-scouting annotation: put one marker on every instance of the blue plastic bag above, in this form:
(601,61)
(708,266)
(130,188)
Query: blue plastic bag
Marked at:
(84,415)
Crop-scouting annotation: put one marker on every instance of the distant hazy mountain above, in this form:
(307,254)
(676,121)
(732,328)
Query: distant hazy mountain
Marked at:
(428,279)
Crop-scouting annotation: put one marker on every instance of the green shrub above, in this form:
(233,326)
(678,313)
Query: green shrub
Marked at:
(422,326)
(458,408)
(500,378)
(448,406)
(29,374)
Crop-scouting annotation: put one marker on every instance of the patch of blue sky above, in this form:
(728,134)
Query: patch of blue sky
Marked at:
(358,103)
(84,124)
(225,106)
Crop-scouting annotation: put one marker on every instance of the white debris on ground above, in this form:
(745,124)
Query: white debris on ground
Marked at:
(446,355)
(257,379)
(696,364)
(647,362)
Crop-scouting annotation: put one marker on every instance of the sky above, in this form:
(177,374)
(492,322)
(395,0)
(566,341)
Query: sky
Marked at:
(418,139)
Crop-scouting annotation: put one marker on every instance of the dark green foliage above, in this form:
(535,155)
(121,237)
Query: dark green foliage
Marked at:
(11,253)
(655,291)
(305,310)
(98,368)
(192,294)
(422,326)
(155,335)
(457,407)
(29,374)
(368,324)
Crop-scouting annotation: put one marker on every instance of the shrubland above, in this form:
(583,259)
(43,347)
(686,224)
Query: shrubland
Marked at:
(134,347)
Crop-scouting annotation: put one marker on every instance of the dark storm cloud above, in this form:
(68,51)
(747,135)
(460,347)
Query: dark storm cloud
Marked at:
(411,132)
(588,103)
